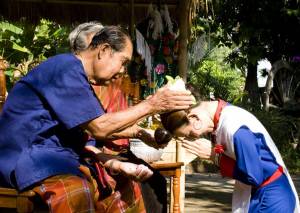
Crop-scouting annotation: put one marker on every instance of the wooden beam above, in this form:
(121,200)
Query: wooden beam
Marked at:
(183,37)
(132,21)
(104,3)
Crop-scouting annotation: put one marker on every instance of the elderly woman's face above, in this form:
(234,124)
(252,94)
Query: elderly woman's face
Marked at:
(110,64)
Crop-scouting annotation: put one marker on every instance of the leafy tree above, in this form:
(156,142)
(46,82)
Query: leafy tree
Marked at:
(24,45)
(213,76)
(257,29)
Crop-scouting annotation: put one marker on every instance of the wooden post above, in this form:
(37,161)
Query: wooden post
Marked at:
(3,67)
(176,191)
(180,155)
(132,28)
(183,37)
(136,93)
(183,11)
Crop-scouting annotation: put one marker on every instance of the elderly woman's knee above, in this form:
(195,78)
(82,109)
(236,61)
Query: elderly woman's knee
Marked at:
(71,192)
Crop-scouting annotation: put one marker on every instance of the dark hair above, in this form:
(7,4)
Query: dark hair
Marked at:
(115,36)
(173,120)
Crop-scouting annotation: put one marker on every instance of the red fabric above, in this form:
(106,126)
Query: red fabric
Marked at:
(67,193)
(219,148)
(221,105)
(275,176)
(127,196)
(113,99)
(227,165)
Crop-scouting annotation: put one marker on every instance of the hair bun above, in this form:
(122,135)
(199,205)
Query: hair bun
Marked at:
(162,136)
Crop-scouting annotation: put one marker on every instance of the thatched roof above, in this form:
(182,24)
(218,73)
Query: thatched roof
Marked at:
(123,12)
(69,11)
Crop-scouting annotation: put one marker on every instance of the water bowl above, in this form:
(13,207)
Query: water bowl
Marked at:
(145,152)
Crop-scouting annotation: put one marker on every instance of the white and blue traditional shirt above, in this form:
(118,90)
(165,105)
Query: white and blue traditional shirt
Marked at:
(253,159)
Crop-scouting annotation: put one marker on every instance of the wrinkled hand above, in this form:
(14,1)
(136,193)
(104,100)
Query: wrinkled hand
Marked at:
(165,100)
(200,147)
(137,172)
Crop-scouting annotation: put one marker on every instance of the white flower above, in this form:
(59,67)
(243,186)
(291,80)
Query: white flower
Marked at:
(177,84)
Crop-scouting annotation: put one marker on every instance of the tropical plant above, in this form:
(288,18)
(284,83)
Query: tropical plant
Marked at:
(213,76)
(25,45)
(271,30)
(284,130)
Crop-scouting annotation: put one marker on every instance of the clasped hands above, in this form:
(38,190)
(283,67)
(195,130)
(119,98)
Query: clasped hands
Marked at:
(200,147)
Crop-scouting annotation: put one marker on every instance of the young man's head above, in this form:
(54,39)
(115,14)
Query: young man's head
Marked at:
(191,123)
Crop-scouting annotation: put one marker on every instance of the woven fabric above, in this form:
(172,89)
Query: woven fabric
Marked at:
(69,194)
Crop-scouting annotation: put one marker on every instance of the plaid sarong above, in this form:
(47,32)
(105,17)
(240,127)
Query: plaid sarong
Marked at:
(69,194)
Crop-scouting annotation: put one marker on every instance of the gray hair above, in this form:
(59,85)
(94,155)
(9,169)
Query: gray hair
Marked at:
(115,36)
(79,36)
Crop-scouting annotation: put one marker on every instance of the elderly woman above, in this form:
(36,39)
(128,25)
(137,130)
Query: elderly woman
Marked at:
(153,190)
(242,149)
(45,122)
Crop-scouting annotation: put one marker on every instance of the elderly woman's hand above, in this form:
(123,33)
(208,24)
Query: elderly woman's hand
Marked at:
(165,100)
(200,147)
(138,172)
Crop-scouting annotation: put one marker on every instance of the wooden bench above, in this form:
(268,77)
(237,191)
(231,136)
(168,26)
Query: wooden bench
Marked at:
(11,198)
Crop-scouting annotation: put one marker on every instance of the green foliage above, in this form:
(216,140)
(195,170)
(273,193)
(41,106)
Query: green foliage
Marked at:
(270,30)
(213,76)
(284,130)
(253,30)
(25,45)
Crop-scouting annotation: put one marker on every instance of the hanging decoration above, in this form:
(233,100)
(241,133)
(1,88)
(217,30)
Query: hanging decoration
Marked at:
(155,26)
(143,50)
(156,50)
(199,49)
(160,33)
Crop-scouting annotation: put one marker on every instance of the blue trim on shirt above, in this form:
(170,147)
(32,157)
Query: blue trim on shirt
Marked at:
(254,160)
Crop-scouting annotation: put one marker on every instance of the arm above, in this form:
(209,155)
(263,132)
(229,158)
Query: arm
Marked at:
(163,100)
(135,131)
(248,168)
(203,148)
(138,172)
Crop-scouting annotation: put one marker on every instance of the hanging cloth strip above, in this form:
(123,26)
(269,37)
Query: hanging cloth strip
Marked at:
(143,49)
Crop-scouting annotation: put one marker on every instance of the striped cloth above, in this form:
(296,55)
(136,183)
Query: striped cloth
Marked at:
(69,194)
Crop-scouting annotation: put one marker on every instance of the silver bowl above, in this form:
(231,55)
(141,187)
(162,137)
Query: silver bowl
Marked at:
(145,152)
